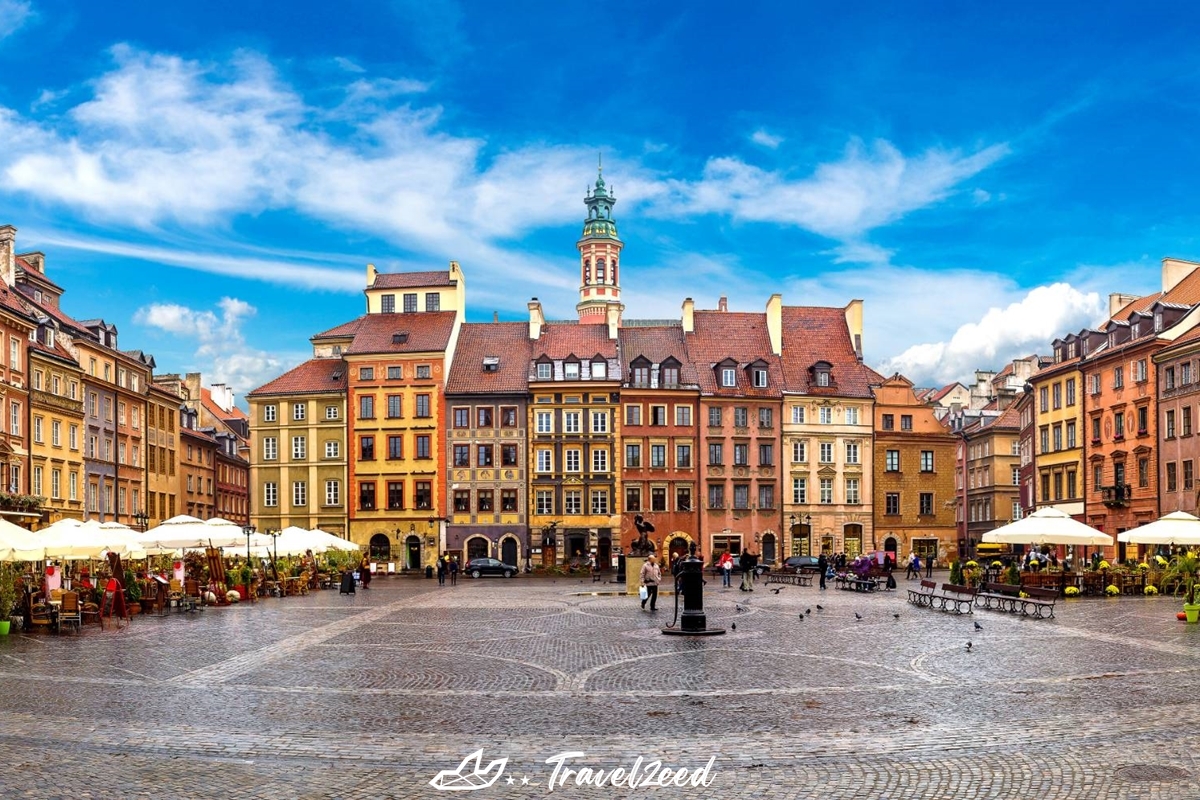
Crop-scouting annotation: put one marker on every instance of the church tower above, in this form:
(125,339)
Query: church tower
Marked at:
(599,258)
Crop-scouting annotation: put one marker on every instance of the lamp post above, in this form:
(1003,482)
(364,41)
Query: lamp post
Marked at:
(249,531)
(142,519)
(274,534)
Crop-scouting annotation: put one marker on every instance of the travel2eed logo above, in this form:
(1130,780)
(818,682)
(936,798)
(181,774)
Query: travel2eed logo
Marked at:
(472,776)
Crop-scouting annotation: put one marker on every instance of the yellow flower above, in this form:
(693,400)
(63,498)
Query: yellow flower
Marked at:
(1111,590)
(1103,565)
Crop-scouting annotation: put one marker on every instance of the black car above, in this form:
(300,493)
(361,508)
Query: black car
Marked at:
(800,564)
(479,567)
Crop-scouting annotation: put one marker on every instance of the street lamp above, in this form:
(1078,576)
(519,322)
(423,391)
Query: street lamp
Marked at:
(249,531)
(274,534)
(142,519)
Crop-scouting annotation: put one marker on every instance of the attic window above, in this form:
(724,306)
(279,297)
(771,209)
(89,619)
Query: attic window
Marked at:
(728,376)
(760,379)
(1157,321)
(823,378)
(571,370)
(491,364)
(337,376)
(399,338)
(599,370)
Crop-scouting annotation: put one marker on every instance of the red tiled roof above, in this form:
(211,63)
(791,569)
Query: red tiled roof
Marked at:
(1186,338)
(411,280)
(315,376)
(741,336)
(507,341)
(38,276)
(58,351)
(423,332)
(346,329)
(945,390)
(195,434)
(52,311)
(216,410)
(562,339)
(1011,418)
(1185,293)
(657,344)
(816,333)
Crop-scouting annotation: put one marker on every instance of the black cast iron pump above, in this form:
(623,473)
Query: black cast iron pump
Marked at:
(689,582)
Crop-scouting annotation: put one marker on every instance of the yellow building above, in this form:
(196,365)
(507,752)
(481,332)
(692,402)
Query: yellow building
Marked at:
(56,408)
(162,455)
(298,449)
(1058,430)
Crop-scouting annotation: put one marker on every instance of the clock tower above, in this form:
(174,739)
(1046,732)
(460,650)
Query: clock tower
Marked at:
(599,258)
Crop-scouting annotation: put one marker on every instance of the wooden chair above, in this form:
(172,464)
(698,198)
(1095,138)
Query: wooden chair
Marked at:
(90,612)
(70,613)
(191,594)
(41,614)
(56,594)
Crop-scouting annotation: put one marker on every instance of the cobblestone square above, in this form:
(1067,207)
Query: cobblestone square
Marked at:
(371,695)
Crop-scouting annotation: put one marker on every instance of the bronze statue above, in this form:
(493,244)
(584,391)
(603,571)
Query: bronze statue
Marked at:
(642,546)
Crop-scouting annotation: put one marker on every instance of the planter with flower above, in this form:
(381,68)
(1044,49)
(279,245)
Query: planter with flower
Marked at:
(8,595)
(970,573)
(1182,573)
(1150,591)
(1071,591)
(1112,591)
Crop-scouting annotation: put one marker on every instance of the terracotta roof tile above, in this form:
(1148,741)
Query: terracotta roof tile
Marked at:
(315,376)
(741,336)
(506,341)
(1011,418)
(562,339)
(657,344)
(411,280)
(207,401)
(816,333)
(945,390)
(33,273)
(346,329)
(425,332)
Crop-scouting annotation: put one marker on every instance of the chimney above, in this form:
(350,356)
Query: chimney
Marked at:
(723,303)
(775,322)
(495,316)
(1117,301)
(536,320)
(1175,270)
(8,254)
(371,275)
(455,271)
(612,313)
(854,324)
(36,259)
(689,315)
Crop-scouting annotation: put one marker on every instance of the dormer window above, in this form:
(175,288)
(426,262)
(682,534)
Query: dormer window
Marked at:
(1158,321)
(399,338)
(545,371)
(491,364)
(571,370)
(822,378)
(599,370)
(670,376)
(640,371)
(728,376)
(760,378)
(50,337)
(1136,328)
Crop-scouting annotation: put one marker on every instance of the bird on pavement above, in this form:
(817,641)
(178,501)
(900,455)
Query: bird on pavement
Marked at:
(897,616)
(739,608)
(777,591)
(733,626)
(968,647)
(809,610)
(978,627)
(802,618)
(857,615)
(820,607)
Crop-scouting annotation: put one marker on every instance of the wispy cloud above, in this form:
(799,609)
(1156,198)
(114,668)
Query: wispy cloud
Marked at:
(13,15)
(768,140)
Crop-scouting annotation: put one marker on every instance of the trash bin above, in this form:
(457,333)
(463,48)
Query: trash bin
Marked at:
(429,572)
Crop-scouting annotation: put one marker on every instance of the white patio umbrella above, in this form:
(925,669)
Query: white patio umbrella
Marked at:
(329,541)
(79,541)
(18,544)
(1178,527)
(1048,526)
(186,532)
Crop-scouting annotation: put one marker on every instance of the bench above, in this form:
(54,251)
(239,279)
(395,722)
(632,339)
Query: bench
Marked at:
(791,578)
(952,597)
(1039,601)
(852,583)
(924,595)
(1003,596)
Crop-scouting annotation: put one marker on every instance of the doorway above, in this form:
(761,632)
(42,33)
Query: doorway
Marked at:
(852,535)
(412,550)
(576,545)
(768,548)
(477,547)
(604,552)
(508,551)
(380,548)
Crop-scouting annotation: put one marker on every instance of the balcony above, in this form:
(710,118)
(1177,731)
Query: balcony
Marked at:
(1117,496)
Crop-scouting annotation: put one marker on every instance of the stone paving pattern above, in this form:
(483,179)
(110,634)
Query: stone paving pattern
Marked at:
(370,695)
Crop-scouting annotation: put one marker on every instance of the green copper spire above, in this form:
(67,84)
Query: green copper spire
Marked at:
(599,202)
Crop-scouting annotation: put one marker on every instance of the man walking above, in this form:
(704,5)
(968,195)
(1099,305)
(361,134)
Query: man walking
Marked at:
(746,562)
(929,565)
(650,577)
(822,567)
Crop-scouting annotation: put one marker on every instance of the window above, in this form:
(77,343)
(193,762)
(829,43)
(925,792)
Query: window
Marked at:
(544,501)
(633,415)
(366,496)
(1057,438)
(424,372)
(852,415)
(544,422)
(1185,421)
(825,415)
(1119,425)
(508,417)
(599,501)
(387,304)
(572,460)
(633,455)
(1070,391)
(572,421)
(891,503)
(299,493)
(395,495)
(1143,472)
(424,494)
(366,448)
(766,496)
(1118,377)
(826,490)
(716,495)
(544,461)
(1071,434)
(1044,399)
(888,422)
(1097,473)
(331,412)
(741,496)
(760,378)
(683,498)
(270,448)
(1170,425)
(853,496)
(658,498)
(714,418)
(395,373)
(333,493)
(395,447)
(716,453)
(926,503)
(683,416)
(571,370)
(892,461)
(799,452)
(462,500)
(1185,373)
(765,418)
(1095,429)
(906,422)
(658,456)
(366,373)
(1016,476)
(366,406)
(484,501)
(599,370)
(1142,417)
(741,417)
(462,455)
(545,371)
(508,500)
(270,492)
(1188,477)
(641,375)
(799,491)
(485,417)
(670,376)
(14,419)
(683,456)
(741,454)
(926,461)
(484,455)
(826,452)
(633,498)
(600,460)
(37,433)
(1171,476)
(1057,391)
(433,301)
(299,448)
(461,416)
(410,302)
(1139,371)
(394,407)
(423,446)
(422,411)
(1070,485)
(851,453)
(55,433)
(599,422)
(728,376)
(56,483)
(797,415)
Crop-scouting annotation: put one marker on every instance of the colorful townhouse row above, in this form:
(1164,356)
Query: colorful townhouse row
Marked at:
(413,432)
(88,431)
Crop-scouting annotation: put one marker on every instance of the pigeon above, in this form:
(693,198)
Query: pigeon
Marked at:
(809,610)
(820,607)
(968,647)
(857,615)
(802,618)
(739,608)
(733,626)
(777,591)
(978,627)
(897,616)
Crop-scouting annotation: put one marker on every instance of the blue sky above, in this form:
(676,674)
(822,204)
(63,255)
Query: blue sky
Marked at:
(213,177)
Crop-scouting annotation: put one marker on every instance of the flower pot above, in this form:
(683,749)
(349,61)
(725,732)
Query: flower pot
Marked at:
(1192,612)
(4,625)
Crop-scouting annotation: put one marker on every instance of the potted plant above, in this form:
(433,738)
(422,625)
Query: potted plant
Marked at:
(1182,572)
(8,596)
(133,593)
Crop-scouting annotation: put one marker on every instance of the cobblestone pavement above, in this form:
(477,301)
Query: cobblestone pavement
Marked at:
(371,695)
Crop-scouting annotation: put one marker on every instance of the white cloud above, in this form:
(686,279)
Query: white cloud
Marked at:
(221,351)
(861,253)
(13,15)
(1001,334)
(347,64)
(980,196)
(769,140)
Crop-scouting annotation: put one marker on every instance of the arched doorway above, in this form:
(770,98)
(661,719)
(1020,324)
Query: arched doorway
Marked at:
(890,545)
(678,547)
(852,537)
(380,548)
(508,551)
(768,548)
(478,547)
(576,546)
(412,553)
(604,552)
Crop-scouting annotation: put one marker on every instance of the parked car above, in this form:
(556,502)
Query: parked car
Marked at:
(799,564)
(480,567)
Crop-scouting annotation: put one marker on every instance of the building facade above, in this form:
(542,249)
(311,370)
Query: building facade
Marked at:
(1057,400)
(162,459)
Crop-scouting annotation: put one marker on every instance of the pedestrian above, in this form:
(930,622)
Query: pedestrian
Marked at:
(822,567)
(909,572)
(650,577)
(746,562)
(441,571)
(727,570)
(929,559)
(916,565)
(454,570)
(364,571)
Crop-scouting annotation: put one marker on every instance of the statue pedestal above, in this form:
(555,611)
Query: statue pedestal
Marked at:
(633,573)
